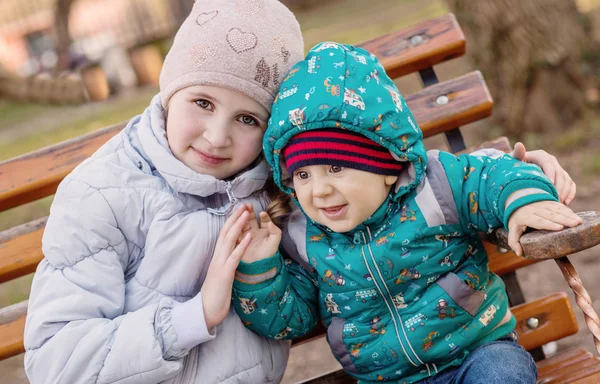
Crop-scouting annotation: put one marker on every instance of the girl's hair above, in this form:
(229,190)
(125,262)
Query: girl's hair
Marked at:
(279,208)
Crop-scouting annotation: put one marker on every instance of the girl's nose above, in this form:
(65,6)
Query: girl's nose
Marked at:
(216,132)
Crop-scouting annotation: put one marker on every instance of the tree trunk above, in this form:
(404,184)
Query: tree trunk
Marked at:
(529,53)
(63,36)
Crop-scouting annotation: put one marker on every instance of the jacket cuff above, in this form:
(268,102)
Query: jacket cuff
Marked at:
(256,275)
(520,193)
(189,323)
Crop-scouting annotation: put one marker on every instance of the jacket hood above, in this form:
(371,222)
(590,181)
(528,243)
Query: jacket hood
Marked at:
(150,129)
(341,86)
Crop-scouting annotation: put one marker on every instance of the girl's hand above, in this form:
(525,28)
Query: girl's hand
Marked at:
(217,287)
(563,183)
(266,236)
(549,215)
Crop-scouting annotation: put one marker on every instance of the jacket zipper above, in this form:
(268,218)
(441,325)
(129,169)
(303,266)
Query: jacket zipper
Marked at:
(229,207)
(385,298)
(390,304)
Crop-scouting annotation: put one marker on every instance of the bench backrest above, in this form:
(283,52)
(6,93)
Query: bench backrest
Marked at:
(441,107)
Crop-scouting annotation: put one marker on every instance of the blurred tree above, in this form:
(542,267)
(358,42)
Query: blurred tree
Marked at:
(530,53)
(63,36)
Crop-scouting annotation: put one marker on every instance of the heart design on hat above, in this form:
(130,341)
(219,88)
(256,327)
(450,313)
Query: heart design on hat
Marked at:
(202,52)
(205,17)
(248,7)
(241,41)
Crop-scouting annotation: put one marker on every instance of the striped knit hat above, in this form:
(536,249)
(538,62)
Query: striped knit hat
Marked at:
(339,147)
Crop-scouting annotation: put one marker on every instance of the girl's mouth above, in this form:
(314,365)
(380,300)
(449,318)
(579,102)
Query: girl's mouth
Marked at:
(208,159)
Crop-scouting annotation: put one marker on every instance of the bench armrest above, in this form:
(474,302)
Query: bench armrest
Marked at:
(542,245)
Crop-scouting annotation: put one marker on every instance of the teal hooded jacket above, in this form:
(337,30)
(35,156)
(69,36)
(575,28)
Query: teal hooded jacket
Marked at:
(408,293)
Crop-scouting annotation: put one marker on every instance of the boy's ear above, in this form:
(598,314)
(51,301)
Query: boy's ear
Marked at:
(390,179)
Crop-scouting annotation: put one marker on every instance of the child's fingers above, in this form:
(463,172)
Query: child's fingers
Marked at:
(273,229)
(572,193)
(252,221)
(239,250)
(265,219)
(232,219)
(230,237)
(519,152)
(514,234)
(560,186)
(560,214)
(541,222)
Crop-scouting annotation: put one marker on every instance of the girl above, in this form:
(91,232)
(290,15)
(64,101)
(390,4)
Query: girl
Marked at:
(133,229)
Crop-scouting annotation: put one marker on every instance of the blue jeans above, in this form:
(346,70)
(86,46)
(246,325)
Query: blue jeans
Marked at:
(502,361)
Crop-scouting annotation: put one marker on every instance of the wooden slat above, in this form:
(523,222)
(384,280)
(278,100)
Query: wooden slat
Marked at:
(21,249)
(593,379)
(556,320)
(503,263)
(337,376)
(469,100)
(418,47)
(38,174)
(12,326)
(576,366)
(562,360)
(542,245)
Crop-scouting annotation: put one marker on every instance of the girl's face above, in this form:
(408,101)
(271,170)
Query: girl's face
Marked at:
(214,130)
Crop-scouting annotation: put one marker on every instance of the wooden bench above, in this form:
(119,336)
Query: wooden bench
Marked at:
(439,108)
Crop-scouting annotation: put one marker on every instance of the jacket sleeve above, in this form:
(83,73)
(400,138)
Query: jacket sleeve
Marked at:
(488,190)
(76,329)
(276,297)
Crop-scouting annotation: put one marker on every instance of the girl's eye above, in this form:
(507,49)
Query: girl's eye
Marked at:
(336,168)
(302,175)
(205,104)
(248,120)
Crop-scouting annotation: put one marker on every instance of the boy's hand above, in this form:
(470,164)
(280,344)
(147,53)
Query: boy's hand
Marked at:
(217,287)
(266,236)
(563,183)
(549,215)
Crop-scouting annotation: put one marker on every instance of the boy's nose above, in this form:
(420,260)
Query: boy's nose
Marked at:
(321,188)
(216,133)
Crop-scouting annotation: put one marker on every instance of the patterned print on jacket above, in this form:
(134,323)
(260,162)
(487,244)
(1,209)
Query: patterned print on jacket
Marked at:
(407,293)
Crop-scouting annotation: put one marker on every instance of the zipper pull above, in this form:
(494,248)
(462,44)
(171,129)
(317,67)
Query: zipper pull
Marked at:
(232,202)
(357,237)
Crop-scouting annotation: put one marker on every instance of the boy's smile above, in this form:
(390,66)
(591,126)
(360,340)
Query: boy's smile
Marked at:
(340,198)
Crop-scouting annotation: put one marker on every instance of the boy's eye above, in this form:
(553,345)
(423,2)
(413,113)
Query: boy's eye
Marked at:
(336,168)
(302,175)
(205,104)
(248,120)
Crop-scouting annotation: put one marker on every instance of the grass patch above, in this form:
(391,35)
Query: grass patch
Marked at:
(13,113)
(15,291)
(106,113)
(25,213)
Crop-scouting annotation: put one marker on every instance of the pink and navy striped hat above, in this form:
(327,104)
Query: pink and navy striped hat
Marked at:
(339,147)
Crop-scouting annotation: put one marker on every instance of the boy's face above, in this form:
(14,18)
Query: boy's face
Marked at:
(214,130)
(340,198)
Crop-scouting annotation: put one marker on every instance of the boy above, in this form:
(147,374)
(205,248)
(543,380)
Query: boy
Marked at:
(386,249)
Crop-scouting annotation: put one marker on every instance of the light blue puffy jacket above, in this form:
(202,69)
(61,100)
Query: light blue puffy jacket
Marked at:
(127,247)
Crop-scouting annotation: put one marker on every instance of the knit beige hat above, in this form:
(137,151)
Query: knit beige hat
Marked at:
(244,45)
